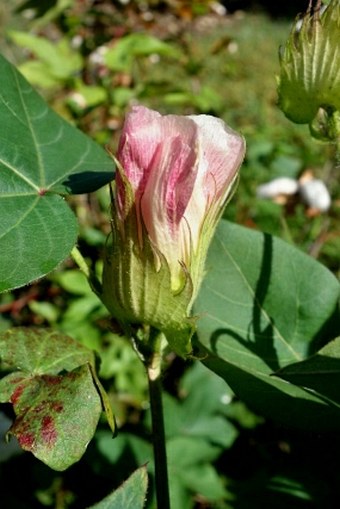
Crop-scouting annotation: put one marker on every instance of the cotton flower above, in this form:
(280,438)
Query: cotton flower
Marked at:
(175,175)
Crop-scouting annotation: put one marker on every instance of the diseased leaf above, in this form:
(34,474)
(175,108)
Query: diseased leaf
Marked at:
(130,495)
(41,351)
(56,415)
(56,400)
(41,156)
(264,305)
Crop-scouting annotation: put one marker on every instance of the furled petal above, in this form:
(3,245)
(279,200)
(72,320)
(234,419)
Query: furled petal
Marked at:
(158,154)
(146,139)
(180,170)
(221,151)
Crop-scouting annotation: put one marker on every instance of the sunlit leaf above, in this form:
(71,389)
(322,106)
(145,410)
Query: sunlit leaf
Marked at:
(41,157)
(262,306)
(60,59)
(122,55)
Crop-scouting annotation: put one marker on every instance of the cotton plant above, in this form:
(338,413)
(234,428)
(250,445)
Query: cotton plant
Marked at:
(174,177)
(177,277)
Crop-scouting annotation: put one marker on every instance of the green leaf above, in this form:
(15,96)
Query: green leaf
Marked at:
(131,495)
(41,351)
(86,96)
(60,60)
(56,412)
(206,99)
(122,55)
(36,234)
(201,412)
(38,74)
(41,156)
(191,471)
(139,447)
(262,306)
(320,373)
(282,485)
(43,12)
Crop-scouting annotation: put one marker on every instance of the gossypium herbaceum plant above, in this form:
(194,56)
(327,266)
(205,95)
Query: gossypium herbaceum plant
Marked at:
(177,276)
(174,177)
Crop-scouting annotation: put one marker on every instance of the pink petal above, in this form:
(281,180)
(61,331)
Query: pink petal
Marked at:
(138,144)
(158,156)
(181,170)
(222,149)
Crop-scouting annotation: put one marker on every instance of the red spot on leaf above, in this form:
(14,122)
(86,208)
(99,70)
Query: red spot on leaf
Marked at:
(26,440)
(16,394)
(52,379)
(48,431)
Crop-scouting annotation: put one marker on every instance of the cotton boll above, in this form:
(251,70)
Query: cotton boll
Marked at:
(277,187)
(315,194)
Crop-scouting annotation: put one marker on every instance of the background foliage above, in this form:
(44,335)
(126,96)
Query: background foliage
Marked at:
(90,60)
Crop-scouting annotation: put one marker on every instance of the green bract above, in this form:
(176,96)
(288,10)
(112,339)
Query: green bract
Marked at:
(310,67)
(135,292)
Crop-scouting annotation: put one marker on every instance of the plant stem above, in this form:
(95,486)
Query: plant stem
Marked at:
(85,269)
(153,368)
(80,261)
(335,128)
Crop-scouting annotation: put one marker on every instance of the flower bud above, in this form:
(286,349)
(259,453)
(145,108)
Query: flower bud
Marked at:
(173,180)
(310,68)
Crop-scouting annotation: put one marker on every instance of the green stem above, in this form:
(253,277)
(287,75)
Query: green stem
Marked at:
(336,134)
(80,261)
(91,277)
(153,369)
